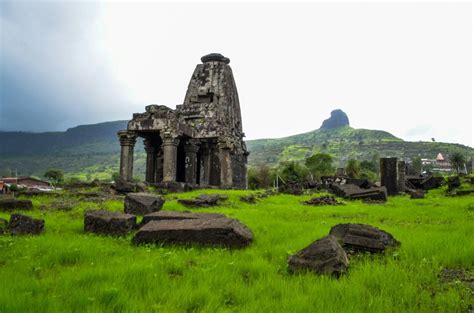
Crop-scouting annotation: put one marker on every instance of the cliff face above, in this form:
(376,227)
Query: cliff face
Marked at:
(338,119)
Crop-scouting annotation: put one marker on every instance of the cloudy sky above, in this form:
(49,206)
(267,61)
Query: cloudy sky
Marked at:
(405,68)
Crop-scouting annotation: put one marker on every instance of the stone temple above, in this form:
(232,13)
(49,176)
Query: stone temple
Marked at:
(201,141)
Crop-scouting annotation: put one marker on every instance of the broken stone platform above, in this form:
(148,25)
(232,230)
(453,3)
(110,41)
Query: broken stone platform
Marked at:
(109,223)
(181,228)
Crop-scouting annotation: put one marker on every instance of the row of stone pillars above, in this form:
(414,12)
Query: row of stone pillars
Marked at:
(162,160)
(392,175)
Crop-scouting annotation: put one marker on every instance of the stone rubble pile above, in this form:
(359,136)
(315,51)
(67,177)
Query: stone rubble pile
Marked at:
(329,255)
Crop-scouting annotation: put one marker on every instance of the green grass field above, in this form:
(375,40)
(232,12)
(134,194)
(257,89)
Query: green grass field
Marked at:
(67,270)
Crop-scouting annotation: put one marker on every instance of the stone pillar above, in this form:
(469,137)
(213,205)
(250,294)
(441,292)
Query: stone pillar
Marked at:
(205,165)
(159,165)
(401,175)
(150,161)
(127,144)
(226,165)
(388,175)
(190,162)
(170,156)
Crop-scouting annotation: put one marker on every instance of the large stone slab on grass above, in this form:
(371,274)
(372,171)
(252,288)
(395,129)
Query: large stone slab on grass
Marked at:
(223,232)
(354,192)
(142,203)
(361,237)
(109,223)
(25,225)
(203,200)
(15,204)
(175,215)
(324,256)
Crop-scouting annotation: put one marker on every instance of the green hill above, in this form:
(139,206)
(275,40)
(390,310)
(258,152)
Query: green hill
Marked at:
(344,143)
(92,151)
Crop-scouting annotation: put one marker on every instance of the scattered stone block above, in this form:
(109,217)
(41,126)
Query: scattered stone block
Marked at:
(360,237)
(324,256)
(292,188)
(424,182)
(142,203)
(325,200)
(3,226)
(25,225)
(223,232)
(248,199)
(109,223)
(123,187)
(175,215)
(453,182)
(203,200)
(354,192)
(15,204)
(416,193)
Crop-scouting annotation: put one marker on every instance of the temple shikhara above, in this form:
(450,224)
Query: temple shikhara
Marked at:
(201,141)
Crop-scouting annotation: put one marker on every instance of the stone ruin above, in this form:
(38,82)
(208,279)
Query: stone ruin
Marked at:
(201,141)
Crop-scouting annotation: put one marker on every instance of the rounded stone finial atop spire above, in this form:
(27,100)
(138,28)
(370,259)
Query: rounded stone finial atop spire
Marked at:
(215,57)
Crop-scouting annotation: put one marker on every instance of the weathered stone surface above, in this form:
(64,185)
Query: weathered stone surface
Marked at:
(3,226)
(360,237)
(416,193)
(25,225)
(203,200)
(324,256)
(426,182)
(338,119)
(124,187)
(354,192)
(175,215)
(203,231)
(201,136)
(389,175)
(248,199)
(325,200)
(109,223)
(15,204)
(142,203)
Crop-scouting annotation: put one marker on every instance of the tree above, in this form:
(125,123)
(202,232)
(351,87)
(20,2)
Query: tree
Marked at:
(457,161)
(54,175)
(353,168)
(292,171)
(320,164)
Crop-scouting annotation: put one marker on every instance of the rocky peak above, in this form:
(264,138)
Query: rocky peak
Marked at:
(337,119)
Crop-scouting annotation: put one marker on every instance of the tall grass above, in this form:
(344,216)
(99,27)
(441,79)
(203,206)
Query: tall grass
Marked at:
(67,270)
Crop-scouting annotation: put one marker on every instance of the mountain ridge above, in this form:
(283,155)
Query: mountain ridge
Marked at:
(94,148)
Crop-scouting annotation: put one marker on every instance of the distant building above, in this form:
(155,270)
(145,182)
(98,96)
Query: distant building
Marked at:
(25,182)
(439,164)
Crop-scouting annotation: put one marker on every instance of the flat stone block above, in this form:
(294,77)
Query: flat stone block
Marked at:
(109,223)
(175,215)
(208,232)
(15,204)
(25,225)
(142,203)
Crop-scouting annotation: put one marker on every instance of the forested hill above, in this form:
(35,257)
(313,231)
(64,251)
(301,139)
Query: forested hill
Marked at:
(91,151)
(344,143)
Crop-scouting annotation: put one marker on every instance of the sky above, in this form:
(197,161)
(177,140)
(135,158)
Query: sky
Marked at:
(401,67)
